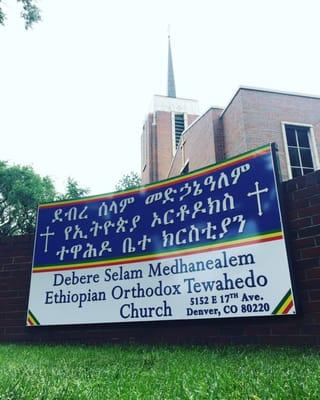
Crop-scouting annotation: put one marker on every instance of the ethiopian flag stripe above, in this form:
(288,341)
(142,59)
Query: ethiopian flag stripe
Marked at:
(32,320)
(285,304)
(127,260)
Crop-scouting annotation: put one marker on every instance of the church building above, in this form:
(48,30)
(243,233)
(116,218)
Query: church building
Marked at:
(177,140)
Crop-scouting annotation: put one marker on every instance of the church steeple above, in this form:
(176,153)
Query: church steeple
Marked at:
(171,84)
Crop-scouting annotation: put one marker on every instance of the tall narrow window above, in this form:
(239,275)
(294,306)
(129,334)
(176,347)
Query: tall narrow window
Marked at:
(299,150)
(178,128)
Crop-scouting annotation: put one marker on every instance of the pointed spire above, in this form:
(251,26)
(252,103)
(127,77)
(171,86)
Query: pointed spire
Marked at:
(171,84)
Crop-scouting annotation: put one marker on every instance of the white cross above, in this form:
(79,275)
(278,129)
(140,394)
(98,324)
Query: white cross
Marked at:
(257,193)
(47,234)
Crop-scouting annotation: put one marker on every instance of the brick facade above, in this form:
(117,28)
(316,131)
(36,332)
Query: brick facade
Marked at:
(201,144)
(158,132)
(253,118)
(160,144)
(302,202)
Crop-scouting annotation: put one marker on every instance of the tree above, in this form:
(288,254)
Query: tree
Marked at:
(73,190)
(30,13)
(21,190)
(129,181)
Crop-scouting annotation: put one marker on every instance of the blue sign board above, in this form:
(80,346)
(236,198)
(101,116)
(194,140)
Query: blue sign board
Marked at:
(211,224)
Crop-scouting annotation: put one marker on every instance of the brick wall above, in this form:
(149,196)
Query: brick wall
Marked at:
(233,127)
(202,144)
(158,141)
(302,202)
(254,118)
(164,142)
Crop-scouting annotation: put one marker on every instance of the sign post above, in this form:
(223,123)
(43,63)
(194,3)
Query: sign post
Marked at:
(209,244)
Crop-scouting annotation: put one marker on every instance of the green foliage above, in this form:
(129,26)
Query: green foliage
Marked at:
(129,181)
(2,16)
(21,190)
(73,190)
(142,372)
(30,13)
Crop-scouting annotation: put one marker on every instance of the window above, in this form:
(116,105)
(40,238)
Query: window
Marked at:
(178,128)
(299,149)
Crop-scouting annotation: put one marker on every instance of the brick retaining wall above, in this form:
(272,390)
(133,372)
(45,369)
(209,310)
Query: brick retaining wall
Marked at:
(302,203)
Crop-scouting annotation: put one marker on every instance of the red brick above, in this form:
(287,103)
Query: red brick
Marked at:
(286,340)
(313,307)
(312,231)
(22,259)
(18,267)
(315,318)
(18,315)
(307,264)
(6,260)
(257,330)
(295,253)
(290,186)
(15,322)
(302,297)
(302,340)
(300,203)
(309,211)
(301,275)
(16,330)
(315,200)
(314,295)
(313,273)
(307,192)
(285,329)
(308,180)
(300,223)
(310,252)
(304,243)
(309,284)
(292,213)
(316,219)
(10,307)
(311,329)
(14,300)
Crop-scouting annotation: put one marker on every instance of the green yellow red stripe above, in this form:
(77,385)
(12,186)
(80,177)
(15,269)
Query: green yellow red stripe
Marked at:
(288,307)
(174,253)
(198,173)
(32,320)
(284,305)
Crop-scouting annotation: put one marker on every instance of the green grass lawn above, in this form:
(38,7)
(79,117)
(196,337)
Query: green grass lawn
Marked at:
(136,372)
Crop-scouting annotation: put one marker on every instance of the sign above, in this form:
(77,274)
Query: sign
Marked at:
(209,244)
